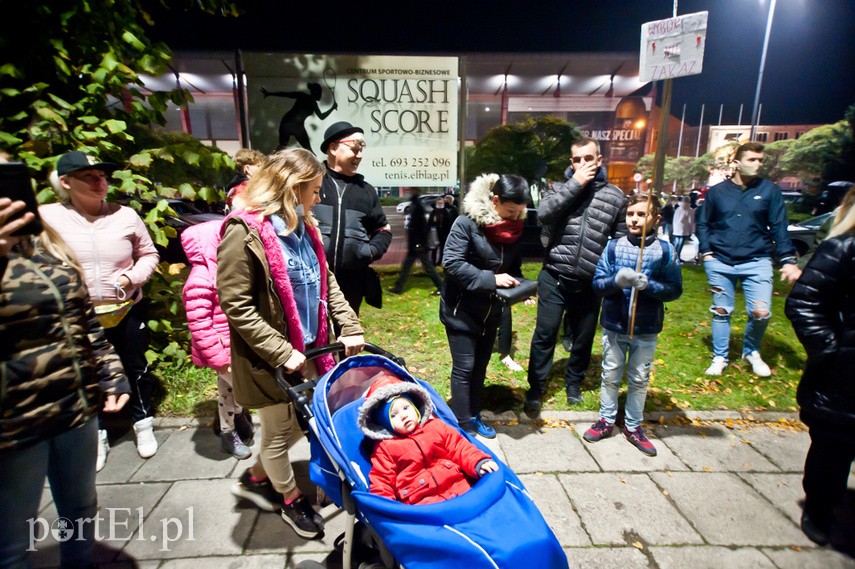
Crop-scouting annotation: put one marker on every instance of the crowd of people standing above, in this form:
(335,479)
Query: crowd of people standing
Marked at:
(290,267)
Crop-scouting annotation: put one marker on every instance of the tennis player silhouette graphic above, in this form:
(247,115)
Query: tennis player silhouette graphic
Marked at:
(294,119)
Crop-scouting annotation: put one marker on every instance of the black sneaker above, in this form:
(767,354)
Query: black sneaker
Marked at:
(301,516)
(574,395)
(261,493)
(816,531)
(244,428)
(531,408)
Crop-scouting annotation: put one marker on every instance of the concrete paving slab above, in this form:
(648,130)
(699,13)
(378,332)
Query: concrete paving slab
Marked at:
(712,448)
(123,460)
(786,448)
(553,502)
(727,511)
(194,519)
(234,562)
(121,506)
(809,559)
(548,450)
(626,508)
(615,453)
(784,491)
(710,557)
(271,534)
(186,455)
(131,565)
(606,557)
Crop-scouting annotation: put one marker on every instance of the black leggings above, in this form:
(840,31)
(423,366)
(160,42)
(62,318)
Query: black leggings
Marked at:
(470,355)
(130,339)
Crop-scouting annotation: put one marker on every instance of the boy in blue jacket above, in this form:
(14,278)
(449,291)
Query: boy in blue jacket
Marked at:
(617,281)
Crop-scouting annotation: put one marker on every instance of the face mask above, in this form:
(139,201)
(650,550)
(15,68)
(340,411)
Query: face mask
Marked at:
(748,170)
(440,205)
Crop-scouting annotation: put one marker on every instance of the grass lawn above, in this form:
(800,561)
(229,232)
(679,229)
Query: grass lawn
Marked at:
(408,325)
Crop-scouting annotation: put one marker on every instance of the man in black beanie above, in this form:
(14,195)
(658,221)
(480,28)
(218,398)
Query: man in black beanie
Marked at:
(350,217)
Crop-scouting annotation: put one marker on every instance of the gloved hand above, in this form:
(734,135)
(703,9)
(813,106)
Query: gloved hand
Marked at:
(640,282)
(625,278)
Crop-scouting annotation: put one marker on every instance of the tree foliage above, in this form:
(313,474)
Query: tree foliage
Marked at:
(681,174)
(534,148)
(70,80)
(817,151)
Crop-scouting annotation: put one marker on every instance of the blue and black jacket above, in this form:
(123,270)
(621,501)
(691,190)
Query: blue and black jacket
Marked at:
(662,269)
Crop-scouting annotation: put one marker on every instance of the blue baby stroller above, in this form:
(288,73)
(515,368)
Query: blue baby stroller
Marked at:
(493,525)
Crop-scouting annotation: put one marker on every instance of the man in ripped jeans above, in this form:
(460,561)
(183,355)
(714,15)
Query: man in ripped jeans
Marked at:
(740,223)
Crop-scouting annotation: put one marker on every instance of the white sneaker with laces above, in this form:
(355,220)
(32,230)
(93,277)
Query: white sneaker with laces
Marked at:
(758,366)
(146,443)
(103,449)
(511,364)
(717,366)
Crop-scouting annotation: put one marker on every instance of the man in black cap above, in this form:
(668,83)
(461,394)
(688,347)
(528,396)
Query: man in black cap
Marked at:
(350,217)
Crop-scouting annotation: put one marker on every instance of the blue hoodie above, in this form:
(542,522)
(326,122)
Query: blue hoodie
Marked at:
(304,272)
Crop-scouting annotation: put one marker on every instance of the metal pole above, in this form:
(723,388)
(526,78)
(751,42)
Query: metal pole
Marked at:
(463,101)
(682,124)
(241,87)
(700,129)
(739,121)
(720,112)
(756,112)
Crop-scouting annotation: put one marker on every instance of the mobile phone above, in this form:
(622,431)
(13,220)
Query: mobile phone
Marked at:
(15,184)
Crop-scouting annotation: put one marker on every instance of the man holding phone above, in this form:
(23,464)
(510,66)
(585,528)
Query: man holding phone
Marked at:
(578,218)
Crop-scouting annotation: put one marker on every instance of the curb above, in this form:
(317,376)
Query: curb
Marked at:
(721,416)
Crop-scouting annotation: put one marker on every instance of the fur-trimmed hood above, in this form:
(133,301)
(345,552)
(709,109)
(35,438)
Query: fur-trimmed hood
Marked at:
(477,203)
(379,393)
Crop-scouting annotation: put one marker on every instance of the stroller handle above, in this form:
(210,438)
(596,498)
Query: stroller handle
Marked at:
(296,387)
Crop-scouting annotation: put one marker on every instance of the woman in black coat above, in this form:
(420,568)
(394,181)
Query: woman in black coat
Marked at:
(821,307)
(481,254)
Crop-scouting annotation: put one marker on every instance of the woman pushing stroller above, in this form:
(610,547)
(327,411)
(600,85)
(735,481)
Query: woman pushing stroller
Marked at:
(277,294)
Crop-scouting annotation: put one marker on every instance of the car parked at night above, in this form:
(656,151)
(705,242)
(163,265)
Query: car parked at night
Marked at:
(186,214)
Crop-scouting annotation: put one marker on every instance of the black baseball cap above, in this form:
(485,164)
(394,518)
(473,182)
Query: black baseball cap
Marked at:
(338,131)
(76,160)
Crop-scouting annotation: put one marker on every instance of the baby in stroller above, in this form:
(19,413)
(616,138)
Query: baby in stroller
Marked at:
(418,459)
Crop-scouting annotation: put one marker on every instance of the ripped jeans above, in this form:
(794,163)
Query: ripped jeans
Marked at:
(756,279)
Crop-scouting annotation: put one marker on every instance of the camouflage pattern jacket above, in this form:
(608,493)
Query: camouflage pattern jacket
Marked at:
(55,361)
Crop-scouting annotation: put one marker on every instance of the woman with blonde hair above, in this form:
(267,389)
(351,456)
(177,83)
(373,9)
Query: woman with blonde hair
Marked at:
(821,307)
(278,293)
(57,370)
(118,257)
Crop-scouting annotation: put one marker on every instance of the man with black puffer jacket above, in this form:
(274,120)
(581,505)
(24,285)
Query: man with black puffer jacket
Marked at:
(350,217)
(579,217)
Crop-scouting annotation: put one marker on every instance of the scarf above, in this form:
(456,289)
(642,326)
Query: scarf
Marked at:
(279,274)
(504,232)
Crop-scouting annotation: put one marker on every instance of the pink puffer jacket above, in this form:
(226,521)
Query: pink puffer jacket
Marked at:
(209,329)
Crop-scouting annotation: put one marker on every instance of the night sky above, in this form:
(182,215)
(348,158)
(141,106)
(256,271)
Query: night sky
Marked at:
(808,77)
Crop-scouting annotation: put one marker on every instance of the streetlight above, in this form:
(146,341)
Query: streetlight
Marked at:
(754,113)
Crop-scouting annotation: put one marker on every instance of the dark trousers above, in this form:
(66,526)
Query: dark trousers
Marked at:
(130,339)
(470,354)
(506,330)
(582,307)
(424,259)
(827,466)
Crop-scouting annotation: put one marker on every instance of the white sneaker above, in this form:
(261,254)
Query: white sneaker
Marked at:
(103,449)
(511,364)
(717,366)
(146,443)
(758,366)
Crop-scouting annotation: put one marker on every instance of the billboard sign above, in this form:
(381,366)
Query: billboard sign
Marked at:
(673,47)
(407,107)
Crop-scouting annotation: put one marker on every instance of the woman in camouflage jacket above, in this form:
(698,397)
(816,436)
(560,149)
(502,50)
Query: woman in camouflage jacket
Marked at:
(55,364)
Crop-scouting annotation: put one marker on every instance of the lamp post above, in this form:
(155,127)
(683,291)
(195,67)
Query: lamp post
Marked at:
(755,112)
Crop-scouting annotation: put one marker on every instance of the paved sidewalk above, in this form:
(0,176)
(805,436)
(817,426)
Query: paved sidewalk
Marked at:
(721,493)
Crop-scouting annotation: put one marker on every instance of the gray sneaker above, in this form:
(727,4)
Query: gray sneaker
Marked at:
(230,443)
